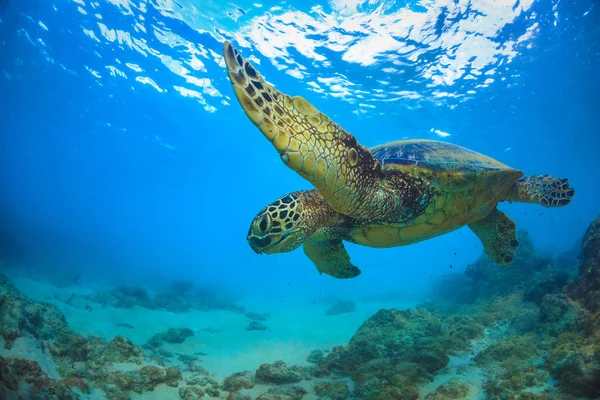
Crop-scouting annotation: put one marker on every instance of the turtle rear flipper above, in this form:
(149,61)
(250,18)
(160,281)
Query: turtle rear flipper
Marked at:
(330,256)
(498,235)
(542,189)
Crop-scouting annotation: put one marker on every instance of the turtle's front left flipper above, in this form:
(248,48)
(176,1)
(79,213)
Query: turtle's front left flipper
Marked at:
(498,235)
(330,256)
(346,173)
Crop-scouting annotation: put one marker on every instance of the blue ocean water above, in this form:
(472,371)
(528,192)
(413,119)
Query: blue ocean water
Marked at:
(126,157)
(125,150)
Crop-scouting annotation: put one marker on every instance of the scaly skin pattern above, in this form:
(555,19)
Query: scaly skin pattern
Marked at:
(284,224)
(544,190)
(349,178)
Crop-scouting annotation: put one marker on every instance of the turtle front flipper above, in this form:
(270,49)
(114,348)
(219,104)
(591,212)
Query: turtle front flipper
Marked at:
(330,256)
(498,235)
(345,172)
(542,189)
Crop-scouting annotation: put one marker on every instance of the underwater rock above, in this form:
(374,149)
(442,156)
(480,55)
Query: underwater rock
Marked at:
(283,393)
(20,316)
(526,320)
(454,389)
(492,279)
(238,396)
(238,381)
(332,390)
(410,335)
(15,372)
(172,335)
(316,357)
(78,360)
(460,330)
(586,288)
(552,283)
(511,383)
(201,383)
(559,314)
(574,362)
(278,373)
(510,349)
(118,350)
(341,307)
(180,296)
(123,297)
(256,326)
(144,379)
(191,393)
(398,387)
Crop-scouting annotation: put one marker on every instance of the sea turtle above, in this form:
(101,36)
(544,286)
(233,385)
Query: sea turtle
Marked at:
(391,195)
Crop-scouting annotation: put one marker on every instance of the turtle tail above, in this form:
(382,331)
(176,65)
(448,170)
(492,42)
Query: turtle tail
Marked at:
(542,189)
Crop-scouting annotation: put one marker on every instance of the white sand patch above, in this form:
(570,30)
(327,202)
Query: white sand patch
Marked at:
(463,368)
(26,348)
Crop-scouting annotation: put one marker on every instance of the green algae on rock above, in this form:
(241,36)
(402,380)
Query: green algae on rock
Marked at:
(283,393)
(332,390)
(278,373)
(410,335)
(17,372)
(586,289)
(454,389)
(238,381)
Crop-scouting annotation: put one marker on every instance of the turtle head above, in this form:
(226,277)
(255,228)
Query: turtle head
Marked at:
(280,227)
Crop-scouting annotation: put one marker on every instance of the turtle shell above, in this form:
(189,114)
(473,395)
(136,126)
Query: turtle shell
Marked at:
(470,185)
(444,164)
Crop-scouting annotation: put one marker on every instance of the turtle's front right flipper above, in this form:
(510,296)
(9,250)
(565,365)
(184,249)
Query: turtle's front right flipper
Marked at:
(346,174)
(330,256)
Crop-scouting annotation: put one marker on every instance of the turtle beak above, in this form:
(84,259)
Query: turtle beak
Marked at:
(259,244)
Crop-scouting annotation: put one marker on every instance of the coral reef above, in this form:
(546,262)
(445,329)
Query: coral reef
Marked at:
(410,335)
(508,332)
(20,316)
(179,296)
(123,297)
(16,372)
(515,382)
(278,373)
(316,357)
(341,307)
(238,381)
(283,393)
(490,279)
(454,389)
(332,390)
(586,289)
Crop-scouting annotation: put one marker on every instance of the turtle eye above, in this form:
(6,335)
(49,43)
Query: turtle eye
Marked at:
(264,223)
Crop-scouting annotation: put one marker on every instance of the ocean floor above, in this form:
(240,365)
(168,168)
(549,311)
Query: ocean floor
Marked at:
(529,331)
(295,327)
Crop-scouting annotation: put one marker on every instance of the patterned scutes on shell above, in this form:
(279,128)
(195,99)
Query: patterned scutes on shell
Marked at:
(434,156)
